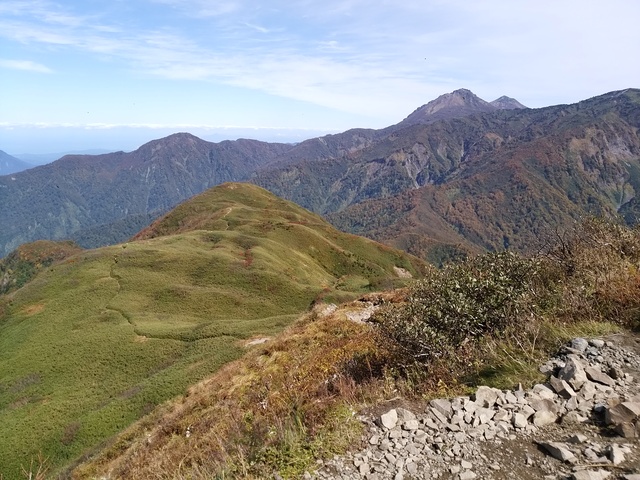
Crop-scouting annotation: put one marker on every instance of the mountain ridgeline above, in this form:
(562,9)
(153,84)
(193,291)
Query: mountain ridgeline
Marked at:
(491,180)
(83,196)
(10,164)
(459,174)
(100,337)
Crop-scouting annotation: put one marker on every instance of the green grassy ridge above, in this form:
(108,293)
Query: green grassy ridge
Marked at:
(21,265)
(95,342)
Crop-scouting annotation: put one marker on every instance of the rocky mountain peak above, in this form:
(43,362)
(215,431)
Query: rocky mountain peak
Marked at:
(459,103)
(507,103)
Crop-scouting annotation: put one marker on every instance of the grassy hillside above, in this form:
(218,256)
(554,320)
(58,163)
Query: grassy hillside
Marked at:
(27,260)
(95,342)
(488,320)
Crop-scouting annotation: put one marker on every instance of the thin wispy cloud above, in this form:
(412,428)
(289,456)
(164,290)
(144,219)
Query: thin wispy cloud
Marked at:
(376,61)
(25,65)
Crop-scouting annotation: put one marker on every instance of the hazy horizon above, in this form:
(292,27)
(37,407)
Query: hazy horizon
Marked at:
(28,140)
(285,71)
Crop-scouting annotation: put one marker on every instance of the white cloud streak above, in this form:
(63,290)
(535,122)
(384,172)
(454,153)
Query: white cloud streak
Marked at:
(362,57)
(25,65)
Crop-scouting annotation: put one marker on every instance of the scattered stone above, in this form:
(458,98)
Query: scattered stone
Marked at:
(519,421)
(573,372)
(389,419)
(559,451)
(615,454)
(444,442)
(626,430)
(597,376)
(486,397)
(405,415)
(590,475)
(579,344)
(467,475)
(626,412)
(577,438)
(543,392)
(561,387)
(544,417)
(442,405)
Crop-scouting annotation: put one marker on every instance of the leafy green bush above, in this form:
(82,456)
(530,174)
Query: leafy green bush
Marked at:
(463,302)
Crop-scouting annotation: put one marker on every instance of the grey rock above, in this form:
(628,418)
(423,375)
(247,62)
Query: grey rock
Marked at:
(559,451)
(577,438)
(626,430)
(486,396)
(544,417)
(442,405)
(573,372)
(615,454)
(543,392)
(484,414)
(519,420)
(596,342)
(411,425)
(467,475)
(597,376)
(562,388)
(544,405)
(389,419)
(573,418)
(616,373)
(466,464)
(588,390)
(579,344)
(405,415)
(626,412)
(590,475)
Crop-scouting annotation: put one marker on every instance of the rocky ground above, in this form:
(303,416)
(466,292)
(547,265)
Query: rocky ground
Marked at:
(582,424)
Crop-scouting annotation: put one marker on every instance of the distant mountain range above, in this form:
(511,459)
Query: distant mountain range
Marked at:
(10,164)
(458,174)
(34,159)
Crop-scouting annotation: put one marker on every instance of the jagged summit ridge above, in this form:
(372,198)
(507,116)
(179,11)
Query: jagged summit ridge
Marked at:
(459,103)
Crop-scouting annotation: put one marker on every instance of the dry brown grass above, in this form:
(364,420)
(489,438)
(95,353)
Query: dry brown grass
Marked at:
(282,405)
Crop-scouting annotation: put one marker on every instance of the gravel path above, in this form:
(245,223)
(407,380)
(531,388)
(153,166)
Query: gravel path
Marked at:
(581,424)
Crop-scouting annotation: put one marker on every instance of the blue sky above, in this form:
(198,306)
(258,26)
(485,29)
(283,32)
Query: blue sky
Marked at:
(116,73)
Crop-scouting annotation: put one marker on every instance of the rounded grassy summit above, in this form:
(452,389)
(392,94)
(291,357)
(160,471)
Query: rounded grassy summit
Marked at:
(96,341)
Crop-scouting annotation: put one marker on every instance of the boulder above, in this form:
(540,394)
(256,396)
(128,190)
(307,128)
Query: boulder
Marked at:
(559,451)
(625,412)
(573,372)
(544,417)
(486,397)
(390,419)
(579,344)
(597,376)
(590,475)
(562,388)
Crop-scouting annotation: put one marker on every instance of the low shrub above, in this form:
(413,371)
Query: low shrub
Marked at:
(462,303)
